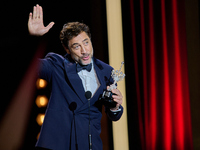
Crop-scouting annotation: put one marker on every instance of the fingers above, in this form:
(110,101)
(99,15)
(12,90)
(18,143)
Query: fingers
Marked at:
(37,12)
(118,97)
(34,12)
(30,16)
(41,12)
(50,25)
(117,92)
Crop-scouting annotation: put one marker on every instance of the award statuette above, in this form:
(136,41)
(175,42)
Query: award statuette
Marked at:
(106,97)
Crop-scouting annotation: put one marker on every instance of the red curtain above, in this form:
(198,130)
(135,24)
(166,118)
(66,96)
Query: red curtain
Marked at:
(161,74)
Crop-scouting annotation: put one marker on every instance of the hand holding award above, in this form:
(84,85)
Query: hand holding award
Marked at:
(106,98)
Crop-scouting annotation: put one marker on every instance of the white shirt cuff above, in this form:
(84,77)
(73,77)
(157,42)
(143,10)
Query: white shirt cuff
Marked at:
(115,111)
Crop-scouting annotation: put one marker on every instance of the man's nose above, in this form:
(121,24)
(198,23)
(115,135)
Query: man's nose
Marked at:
(83,50)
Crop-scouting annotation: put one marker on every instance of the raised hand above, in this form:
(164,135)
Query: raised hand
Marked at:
(35,23)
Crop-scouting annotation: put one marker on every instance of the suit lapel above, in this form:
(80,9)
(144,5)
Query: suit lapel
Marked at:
(74,79)
(99,72)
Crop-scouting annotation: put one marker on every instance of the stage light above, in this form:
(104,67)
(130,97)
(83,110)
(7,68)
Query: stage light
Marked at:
(41,101)
(41,83)
(38,136)
(40,119)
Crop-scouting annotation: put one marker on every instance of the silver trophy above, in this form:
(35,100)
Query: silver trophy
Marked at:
(106,97)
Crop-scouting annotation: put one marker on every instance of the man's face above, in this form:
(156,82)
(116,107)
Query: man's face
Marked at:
(80,48)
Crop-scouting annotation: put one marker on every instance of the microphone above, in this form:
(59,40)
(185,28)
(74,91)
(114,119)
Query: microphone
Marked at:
(88,95)
(72,107)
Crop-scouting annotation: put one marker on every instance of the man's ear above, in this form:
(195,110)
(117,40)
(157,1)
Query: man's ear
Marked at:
(67,50)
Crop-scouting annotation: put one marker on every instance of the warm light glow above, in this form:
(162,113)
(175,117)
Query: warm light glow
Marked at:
(41,101)
(38,136)
(40,119)
(41,83)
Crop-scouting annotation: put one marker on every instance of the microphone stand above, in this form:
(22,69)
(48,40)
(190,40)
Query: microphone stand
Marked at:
(90,136)
(88,95)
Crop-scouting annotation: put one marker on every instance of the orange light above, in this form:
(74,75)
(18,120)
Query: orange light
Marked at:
(38,136)
(41,83)
(41,101)
(40,119)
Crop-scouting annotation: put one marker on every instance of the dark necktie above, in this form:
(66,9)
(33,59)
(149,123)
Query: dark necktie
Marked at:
(83,67)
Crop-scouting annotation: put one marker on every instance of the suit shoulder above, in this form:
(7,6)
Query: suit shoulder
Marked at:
(103,65)
(54,57)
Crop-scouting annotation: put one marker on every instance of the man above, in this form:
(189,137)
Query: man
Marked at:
(73,114)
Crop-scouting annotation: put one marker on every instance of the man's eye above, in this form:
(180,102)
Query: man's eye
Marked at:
(76,47)
(86,43)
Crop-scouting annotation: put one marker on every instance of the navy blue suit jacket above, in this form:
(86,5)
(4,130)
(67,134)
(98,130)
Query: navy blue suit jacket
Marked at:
(58,129)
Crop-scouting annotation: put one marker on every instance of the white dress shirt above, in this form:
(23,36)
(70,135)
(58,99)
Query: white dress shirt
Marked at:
(90,80)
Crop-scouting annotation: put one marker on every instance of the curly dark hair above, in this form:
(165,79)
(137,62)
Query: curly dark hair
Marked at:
(72,29)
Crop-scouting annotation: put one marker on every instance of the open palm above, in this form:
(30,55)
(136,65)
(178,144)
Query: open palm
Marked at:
(35,23)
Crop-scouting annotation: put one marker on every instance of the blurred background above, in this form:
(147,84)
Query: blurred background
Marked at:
(161,53)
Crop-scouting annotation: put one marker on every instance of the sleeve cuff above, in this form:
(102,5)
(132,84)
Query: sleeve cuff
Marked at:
(116,111)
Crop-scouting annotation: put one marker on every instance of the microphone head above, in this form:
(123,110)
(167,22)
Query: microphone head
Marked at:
(88,94)
(72,106)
